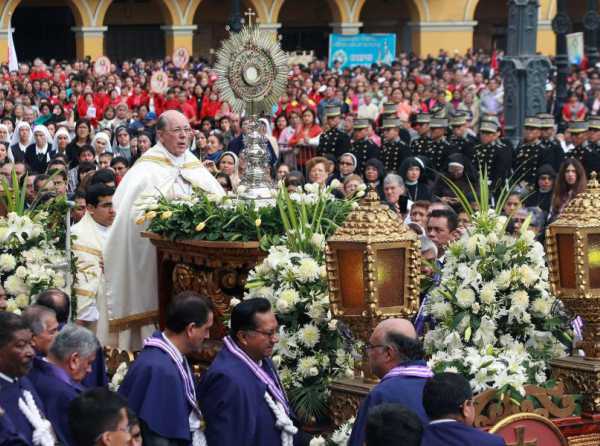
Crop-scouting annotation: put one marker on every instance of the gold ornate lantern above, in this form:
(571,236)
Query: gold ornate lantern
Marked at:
(373,268)
(573,250)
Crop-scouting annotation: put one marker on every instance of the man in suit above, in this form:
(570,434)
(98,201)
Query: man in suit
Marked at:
(448,401)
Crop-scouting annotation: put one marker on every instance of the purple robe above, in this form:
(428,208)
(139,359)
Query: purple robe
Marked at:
(232,401)
(404,390)
(97,376)
(9,436)
(9,400)
(155,392)
(453,433)
(56,390)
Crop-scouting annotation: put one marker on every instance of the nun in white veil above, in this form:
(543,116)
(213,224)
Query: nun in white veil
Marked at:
(22,138)
(61,140)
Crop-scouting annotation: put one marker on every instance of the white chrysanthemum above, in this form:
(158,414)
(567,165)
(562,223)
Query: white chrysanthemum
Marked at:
(332,324)
(309,335)
(305,365)
(308,270)
(316,312)
(59,281)
(439,310)
(451,369)
(14,286)
(279,256)
(21,272)
(22,300)
(527,275)
(318,240)
(520,299)
(465,297)
(7,262)
(286,345)
(503,280)
(488,293)
(12,307)
(541,307)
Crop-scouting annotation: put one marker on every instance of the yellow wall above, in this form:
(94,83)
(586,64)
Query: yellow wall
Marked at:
(99,13)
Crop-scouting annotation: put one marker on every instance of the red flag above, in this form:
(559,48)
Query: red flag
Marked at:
(494,62)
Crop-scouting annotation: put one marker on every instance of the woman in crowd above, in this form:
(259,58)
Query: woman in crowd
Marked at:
(317,169)
(283,132)
(282,171)
(4,153)
(351,184)
(101,144)
(462,174)
(571,180)
(544,186)
(346,165)
(201,145)
(412,172)
(513,203)
(83,137)
(39,152)
(21,139)
(4,134)
(224,181)
(61,141)
(229,165)
(108,118)
(122,144)
(306,138)
(214,149)
(374,174)
(144,143)
(264,128)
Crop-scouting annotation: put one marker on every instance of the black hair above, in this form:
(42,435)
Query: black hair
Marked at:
(9,324)
(57,300)
(188,307)
(408,348)
(294,178)
(94,412)
(227,179)
(39,181)
(106,154)
(102,176)
(243,314)
(79,194)
(119,159)
(449,215)
(444,395)
(95,191)
(389,423)
(86,166)
(58,173)
(86,148)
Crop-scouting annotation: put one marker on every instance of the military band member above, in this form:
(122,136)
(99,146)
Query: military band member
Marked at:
(583,151)
(390,110)
(552,147)
(594,133)
(362,147)
(393,149)
(420,145)
(461,141)
(492,156)
(439,147)
(333,141)
(530,153)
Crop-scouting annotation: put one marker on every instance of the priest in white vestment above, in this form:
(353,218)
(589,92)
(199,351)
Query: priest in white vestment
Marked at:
(169,169)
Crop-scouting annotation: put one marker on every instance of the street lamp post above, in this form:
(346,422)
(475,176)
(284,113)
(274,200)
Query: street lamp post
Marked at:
(524,72)
(561,25)
(235,20)
(591,23)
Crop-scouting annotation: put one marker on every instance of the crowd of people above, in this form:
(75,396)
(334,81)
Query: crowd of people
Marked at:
(402,130)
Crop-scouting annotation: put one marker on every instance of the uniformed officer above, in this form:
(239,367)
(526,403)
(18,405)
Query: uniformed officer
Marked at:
(420,145)
(583,151)
(529,155)
(393,149)
(461,141)
(389,110)
(439,147)
(492,156)
(554,152)
(333,141)
(362,147)
(594,133)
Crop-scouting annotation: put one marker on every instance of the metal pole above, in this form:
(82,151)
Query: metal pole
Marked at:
(591,23)
(561,25)
(235,21)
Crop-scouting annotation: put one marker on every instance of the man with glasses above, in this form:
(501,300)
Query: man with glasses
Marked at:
(98,417)
(241,396)
(167,169)
(159,385)
(448,401)
(396,358)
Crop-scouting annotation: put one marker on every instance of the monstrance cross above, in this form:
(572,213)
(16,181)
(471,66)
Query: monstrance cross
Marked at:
(249,13)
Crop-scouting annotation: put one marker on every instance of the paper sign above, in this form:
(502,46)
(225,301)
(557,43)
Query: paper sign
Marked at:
(159,82)
(102,66)
(181,57)
(575,48)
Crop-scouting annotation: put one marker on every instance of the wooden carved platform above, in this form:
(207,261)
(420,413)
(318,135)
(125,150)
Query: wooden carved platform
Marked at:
(217,269)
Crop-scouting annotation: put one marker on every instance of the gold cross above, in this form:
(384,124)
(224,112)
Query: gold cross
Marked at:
(520,434)
(249,13)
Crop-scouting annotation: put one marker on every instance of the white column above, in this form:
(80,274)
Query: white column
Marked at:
(347,28)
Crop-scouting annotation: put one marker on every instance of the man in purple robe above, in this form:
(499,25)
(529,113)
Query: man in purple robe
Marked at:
(395,357)
(20,402)
(159,385)
(59,301)
(8,432)
(448,401)
(241,396)
(57,378)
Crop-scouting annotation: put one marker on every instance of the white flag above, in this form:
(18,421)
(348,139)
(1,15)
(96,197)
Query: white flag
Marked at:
(13,63)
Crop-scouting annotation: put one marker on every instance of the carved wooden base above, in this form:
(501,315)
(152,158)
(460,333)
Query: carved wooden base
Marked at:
(580,376)
(346,396)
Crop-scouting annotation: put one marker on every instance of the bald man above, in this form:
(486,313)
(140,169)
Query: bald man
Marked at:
(168,169)
(396,358)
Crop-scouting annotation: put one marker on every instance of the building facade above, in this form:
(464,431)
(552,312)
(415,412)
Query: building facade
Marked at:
(152,28)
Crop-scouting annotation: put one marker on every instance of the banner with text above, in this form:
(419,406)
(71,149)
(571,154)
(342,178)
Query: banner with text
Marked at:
(361,49)
(575,48)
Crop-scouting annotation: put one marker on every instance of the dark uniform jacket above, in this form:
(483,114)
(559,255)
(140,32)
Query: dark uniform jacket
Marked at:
(364,150)
(393,153)
(587,155)
(334,142)
(497,159)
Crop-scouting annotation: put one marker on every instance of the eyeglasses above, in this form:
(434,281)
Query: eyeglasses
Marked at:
(269,334)
(373,346)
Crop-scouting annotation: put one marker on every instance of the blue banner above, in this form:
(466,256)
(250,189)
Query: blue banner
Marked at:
(361,49)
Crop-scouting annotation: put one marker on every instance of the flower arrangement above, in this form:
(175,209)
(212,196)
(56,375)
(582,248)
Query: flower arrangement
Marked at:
(339,437)
(29,260)
(311,350)
(118,377)
(497,323)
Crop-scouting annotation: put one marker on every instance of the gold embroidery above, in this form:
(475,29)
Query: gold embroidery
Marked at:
(168,162)
(136,320)
(92,251)
(82,292)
